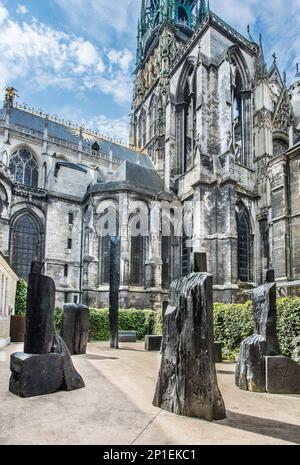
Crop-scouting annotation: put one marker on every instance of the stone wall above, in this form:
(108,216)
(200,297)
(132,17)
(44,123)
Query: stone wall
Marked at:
(8,283)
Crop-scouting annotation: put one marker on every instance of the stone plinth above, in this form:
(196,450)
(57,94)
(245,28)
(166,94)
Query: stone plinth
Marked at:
(35,375)
(282,375)
(153,343)
(187,382)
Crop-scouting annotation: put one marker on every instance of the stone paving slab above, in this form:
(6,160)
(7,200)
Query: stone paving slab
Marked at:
(116,407)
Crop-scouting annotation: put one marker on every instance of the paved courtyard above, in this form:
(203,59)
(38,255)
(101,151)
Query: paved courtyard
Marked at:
(116,407)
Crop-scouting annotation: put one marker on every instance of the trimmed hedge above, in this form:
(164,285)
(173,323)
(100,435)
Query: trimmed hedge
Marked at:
(142,321)
(232,324)
(21,297)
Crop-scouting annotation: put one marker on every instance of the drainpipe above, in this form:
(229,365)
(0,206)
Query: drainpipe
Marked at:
(81,258)
(290,231)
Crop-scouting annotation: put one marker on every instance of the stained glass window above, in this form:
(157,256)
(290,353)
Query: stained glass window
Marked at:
(244,246)
(24,167)
(27,244)
(137,260)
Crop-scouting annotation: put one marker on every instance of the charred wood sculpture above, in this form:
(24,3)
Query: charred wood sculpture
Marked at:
(114,285)
(187,381)
(46,365)
(75,328)
(260,367)
(251,371)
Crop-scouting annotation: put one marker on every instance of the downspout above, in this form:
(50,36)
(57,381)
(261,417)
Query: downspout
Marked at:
(81,258)
(290,231)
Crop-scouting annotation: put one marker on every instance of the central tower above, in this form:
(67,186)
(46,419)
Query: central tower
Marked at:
(164,27)
(184,14)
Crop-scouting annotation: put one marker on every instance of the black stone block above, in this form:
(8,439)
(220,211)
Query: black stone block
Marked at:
(218,352)
(35,375)
(75,328)
(153,343)
(282,375)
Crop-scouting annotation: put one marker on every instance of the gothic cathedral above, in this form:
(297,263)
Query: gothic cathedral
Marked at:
(213,166)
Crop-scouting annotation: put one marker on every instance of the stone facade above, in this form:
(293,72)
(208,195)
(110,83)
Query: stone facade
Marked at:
(8,283)
(223,118)
(211,167)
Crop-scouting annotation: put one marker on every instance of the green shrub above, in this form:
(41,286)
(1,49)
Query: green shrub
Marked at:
(158,324)
(288,323)
(141,321)
(58,313)
(21,297)
(232,324)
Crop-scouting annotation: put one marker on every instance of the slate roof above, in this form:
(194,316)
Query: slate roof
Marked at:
(144,177)
(68,134)
(132,177)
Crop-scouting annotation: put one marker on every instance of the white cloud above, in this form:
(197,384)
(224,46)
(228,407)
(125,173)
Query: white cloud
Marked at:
(277,20)
(3,13)
(106,20)
(116,128)
(22,10)
(43,56)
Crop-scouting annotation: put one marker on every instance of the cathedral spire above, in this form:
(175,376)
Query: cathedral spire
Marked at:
(260,65)
(203,10)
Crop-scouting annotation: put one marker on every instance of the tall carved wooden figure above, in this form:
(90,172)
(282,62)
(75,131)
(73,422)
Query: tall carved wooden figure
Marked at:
(46,365)
(114,285)
(187,382)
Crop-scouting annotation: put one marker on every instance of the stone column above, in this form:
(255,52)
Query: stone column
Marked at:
(123,233)
(154,262)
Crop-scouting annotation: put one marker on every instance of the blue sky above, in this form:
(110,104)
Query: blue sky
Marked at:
(74,58)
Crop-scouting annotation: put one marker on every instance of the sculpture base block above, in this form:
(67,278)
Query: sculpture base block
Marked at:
(218,352)
(35,375)
(153,343)
(282,375)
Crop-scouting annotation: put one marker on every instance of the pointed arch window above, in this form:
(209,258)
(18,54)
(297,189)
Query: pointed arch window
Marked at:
(3,199)
(244,254)
(27,244)
(186,120)
(23,166)
(237,117)
(110,229)
(138,244)
(142,129)
(279,146)
(167,241)
(152,117)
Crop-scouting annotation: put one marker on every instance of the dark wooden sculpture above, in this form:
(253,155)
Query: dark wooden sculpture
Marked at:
(46,364)
(114,285)
(187,382)
(75,328)
(250,370)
